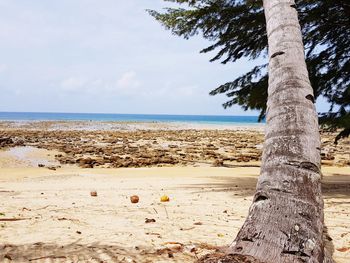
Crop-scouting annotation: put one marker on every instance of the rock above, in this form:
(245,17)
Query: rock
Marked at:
(86,166)
(93,193)
(4,142)
(86,162)
(150,220)
(53,168)
(218,163)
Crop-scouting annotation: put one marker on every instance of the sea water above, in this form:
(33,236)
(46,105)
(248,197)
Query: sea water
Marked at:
(204,119)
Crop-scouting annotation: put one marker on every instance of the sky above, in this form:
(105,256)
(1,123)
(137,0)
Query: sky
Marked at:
(105,56)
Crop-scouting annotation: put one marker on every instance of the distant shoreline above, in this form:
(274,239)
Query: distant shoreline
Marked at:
(134,118)
(97,125)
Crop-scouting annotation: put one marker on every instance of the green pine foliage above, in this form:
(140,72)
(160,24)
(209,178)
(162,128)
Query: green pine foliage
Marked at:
(236,29)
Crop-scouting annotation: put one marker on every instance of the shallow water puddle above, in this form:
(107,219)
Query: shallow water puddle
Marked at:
(27,156)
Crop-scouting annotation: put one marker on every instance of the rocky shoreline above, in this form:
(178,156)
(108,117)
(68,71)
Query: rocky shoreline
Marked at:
(165,146)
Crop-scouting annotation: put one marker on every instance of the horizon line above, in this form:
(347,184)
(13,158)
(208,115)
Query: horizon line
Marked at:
(163,114)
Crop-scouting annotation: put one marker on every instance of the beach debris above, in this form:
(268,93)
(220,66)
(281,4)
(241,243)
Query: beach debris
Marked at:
(166,211)
(343,249)
(6,191)
(134,199)
(93,193)
(221,235)
(170,248)
(44,207)
(41,165)
(198,223)
(344,234)
(189,228)
(68,219)
(164,198)
(53,167)
(153,233)
(7,256)
(128,260)
(150,220)
(174,246)
(51,256)
(78,232)
(2,214)
(13,219)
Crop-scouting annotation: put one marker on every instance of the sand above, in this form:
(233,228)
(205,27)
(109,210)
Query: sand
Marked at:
(61,222)
(50,216)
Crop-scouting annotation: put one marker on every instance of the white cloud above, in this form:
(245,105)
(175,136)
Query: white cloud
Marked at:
(187,91)
(3,67)
(126,85)
(128,81)
(129,85)
(73,83)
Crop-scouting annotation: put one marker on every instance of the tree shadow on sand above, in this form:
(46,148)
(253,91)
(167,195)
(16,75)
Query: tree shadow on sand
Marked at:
(237,186)
(75,252)
(335,186)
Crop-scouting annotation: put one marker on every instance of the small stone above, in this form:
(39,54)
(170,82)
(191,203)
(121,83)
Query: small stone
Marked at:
(218,163)
(296,227)
(150,220)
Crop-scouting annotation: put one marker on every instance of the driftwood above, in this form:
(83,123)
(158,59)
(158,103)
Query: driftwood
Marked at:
(52,257)
(13,219)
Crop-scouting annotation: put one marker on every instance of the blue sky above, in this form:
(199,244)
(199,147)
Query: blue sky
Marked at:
(106,56)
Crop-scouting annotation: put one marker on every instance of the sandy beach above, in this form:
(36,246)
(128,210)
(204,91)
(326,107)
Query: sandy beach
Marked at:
(209,174)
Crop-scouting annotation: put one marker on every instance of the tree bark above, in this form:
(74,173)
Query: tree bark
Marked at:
(285,221)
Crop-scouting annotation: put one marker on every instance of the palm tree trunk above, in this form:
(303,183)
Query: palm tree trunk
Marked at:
(285,221)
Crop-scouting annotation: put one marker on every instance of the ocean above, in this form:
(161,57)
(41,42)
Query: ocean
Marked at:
(205,119)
